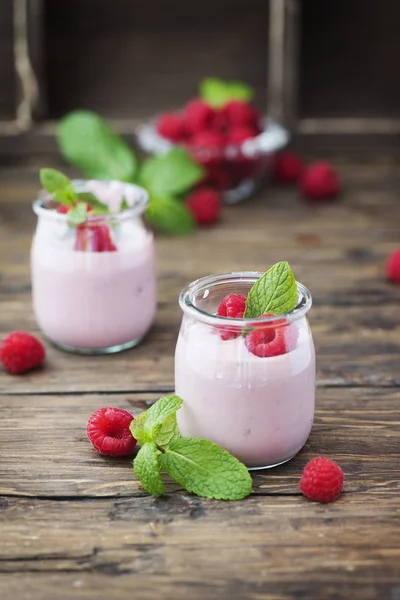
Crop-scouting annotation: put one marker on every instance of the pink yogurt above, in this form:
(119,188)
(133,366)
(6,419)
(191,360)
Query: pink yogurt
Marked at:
(260,409)
(95,301)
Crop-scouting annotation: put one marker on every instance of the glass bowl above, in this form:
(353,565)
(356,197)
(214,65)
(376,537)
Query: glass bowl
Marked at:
(237,170)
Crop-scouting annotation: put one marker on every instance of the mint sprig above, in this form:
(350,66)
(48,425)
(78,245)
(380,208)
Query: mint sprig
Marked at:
(275,292)
(199,466)
(89,143)
(62,190)
(217,92)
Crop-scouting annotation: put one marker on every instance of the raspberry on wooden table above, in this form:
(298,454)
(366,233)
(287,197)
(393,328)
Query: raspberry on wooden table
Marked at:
(322,480)
(393,266)
(21,352)
(108,430)
(288,167)
(205,205)
(320,181)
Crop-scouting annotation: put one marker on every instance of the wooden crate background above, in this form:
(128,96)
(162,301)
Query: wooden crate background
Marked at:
(128,59)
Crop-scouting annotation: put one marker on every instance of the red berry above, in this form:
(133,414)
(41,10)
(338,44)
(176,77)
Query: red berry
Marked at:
(393,266)
(242,114)
(219,176)
(322,480)
(205,205)
(240,134)
(63,209)
(320,181)
(208,140)
(233,307)
(273,339)
(288,167)
(108,430)
(94,238)
(20,352)
(198,115)
(171,126)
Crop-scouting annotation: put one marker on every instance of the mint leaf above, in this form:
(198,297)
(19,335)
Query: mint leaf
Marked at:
(172,173)
(90,144)
(169,215)
(77,215)
(168,432)
(275,292)
(99,208)
(124,205)
(146,467)
(155,420)
(58,185)
(217,92)
(206,469)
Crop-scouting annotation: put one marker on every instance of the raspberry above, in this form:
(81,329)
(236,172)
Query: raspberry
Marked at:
(219,176)
(241,114)
(273,339)
(20,352)
(171,126)
(205,205)
(198,116)
(94,238)
(205,140)
(393,266)
(108,430)
(288,167)
(320,181)
(63,209)
(322,480)
(233,307)
(238,135)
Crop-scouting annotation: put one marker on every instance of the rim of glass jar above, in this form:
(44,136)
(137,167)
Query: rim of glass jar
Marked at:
(187,294)
(138,208)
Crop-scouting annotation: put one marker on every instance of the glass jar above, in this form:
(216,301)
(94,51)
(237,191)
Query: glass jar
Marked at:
(93,286)
(259,408)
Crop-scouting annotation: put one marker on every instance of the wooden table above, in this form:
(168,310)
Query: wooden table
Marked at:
(75,525)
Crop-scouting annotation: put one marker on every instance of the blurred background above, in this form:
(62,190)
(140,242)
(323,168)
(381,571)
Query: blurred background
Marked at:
(322,68)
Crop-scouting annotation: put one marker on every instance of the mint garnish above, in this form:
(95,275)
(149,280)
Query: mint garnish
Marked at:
(169,215)
(147,468)
(275,292)
(170,174)
(217,92)
(62,190)
(200,466)
(90,144)
(206,469)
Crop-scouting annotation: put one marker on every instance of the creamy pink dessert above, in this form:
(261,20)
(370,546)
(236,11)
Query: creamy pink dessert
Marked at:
(261,409)
(95,301)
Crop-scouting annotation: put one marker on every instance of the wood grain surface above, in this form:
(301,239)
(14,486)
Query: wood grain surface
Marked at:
(76,525)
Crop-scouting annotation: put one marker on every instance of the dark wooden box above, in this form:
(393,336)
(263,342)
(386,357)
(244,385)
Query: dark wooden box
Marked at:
(318,66)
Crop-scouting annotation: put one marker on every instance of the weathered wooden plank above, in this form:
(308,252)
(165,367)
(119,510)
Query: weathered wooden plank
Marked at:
(354,346)
(45,451)
(182,546)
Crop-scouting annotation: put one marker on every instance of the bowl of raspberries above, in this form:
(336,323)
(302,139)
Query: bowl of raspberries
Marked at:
(224,132)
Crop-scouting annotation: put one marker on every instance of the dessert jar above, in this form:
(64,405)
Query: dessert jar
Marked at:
(93,285)
(259,408)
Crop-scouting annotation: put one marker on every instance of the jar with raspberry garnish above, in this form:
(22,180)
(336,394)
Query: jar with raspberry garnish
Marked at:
(92,264)
(248,384)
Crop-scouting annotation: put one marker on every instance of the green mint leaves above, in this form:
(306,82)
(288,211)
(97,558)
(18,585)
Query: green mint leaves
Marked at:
(217,92)
(89,143)
(62,190)
(172,173)
(166,177)
(197,465)
(275,292)
(206,469)
(147,468)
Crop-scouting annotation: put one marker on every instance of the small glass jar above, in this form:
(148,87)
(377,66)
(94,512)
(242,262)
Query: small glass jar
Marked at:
(259,408)
(93,286)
